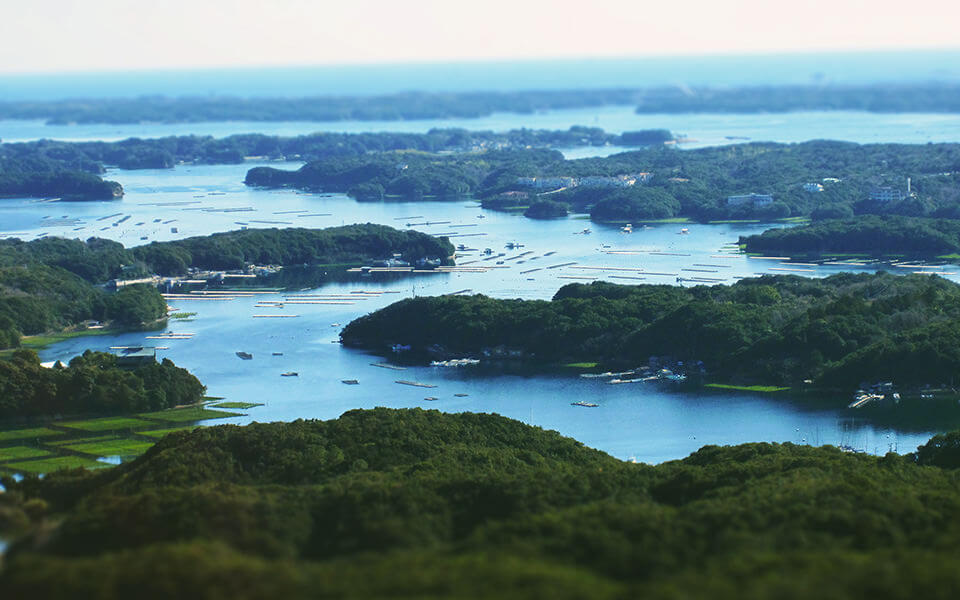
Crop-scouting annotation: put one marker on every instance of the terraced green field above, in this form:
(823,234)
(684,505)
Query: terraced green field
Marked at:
(191,413)
(159,433)
(112,447)
(27,434)
(49,465)
(107,424)
(21,452)
(43,449)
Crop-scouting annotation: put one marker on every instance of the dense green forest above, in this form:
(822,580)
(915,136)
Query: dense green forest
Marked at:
(92,383)
(420,504)
(837,331)
(54,283)
(668,182)
(164,153)
(352,244)
(914,97)
(866,234)
(37,175)
(37,299)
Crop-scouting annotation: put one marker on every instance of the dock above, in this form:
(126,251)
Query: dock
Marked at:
(415,383)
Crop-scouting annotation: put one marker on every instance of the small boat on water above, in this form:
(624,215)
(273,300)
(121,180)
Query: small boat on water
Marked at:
(349,381)
(290,374)
(245,355)
(461,395)
(278,353)
(584,403)
(431,398)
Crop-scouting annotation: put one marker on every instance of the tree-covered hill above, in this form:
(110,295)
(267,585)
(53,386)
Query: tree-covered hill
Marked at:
(412,503)
(39,176)
(866,234)
(92,383)
(292,246)
(838,331)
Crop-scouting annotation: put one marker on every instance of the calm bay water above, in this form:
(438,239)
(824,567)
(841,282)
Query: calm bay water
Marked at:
(701,129)
(649,422)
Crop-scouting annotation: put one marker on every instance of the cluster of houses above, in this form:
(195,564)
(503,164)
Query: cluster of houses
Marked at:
(591,181)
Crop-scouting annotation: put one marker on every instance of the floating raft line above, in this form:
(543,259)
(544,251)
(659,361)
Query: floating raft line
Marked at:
(575,277)
(769,257)
(567,264)
(461,234)
(709,265)
(669,254)
(624,277)
(388,366)
(290,212)
(317,215)
(458,292)
(792,270)
(275,316)
(415,383)
(800,264)
(531,270)
(701,270)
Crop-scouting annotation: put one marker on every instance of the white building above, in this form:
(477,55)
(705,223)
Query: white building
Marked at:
(755,199)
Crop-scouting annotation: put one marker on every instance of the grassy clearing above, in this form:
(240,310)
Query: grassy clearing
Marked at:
(26,434)
(49,465)
(240,405)
(159,433)
(107,424)
(76,440)
(748,388)
(114,447)
(191,413)
(21,453)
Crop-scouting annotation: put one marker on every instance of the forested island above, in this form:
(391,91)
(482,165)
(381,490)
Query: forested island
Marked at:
(420,504)
(93,383)
(166,152)
(346,245)
(783,330)
(72,170)
(911,237)
(764,181)
(38,176)
(937,97)
(54,283)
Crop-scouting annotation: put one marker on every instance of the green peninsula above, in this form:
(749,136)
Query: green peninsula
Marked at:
(771,330)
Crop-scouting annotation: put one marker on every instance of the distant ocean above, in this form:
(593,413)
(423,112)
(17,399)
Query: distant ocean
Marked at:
(726,70)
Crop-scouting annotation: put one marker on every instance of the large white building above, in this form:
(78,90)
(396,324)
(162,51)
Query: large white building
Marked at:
(755,199)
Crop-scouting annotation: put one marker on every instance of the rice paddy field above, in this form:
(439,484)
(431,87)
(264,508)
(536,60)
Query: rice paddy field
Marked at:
(99,442)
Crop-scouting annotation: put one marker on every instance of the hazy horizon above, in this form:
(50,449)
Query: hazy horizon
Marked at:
(852,67)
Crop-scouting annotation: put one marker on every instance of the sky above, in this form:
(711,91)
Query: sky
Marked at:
(39,36)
